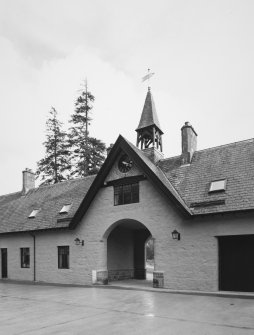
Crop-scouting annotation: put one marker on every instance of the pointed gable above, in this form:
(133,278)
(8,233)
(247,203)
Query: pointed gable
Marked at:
(149,115)
(152,172)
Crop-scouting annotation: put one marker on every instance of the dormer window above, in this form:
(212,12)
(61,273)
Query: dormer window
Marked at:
(65,209)
(34,213)
(218,185)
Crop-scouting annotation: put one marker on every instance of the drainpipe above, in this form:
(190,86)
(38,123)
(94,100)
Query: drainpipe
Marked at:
(33,235)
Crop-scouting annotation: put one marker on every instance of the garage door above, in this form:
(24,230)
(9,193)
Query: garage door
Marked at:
(236,263)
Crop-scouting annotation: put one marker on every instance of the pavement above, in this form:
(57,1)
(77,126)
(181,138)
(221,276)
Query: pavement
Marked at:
(53,309)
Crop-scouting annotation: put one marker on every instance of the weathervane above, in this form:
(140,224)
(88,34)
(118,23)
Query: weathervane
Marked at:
(147,77)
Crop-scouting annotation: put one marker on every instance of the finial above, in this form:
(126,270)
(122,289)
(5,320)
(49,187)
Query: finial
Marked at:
(147,77)
(149,88)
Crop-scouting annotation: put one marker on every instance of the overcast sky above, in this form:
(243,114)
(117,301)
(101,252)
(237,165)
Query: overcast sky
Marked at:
(202,53)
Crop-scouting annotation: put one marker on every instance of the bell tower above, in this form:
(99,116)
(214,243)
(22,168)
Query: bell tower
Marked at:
(149,133)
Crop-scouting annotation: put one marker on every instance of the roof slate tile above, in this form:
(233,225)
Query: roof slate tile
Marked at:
(189,184)
(233,162)
(15,208)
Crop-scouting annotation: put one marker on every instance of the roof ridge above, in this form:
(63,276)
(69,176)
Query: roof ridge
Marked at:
(227,144)
(66,181)
(211,148)
(8,194)
(47,186)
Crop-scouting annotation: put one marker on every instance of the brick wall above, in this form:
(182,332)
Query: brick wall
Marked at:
(191,263)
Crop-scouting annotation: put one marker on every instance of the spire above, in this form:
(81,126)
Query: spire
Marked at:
(149,116)
(149,131)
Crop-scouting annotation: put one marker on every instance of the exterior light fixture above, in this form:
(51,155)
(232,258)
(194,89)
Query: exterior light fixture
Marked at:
(78,241)
(175,235)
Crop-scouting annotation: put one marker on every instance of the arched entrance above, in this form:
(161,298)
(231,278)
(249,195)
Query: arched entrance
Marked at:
(126,255)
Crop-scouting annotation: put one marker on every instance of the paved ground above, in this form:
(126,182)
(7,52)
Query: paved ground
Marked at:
(39,309)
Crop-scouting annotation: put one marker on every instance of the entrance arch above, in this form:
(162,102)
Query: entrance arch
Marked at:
(126,241)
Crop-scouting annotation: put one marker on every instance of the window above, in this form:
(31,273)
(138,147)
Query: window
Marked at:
(25,257)
(218,185)
(63,257)
(65,209)
(34,213)
(126,194)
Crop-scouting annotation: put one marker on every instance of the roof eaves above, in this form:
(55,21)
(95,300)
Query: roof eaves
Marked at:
(155,176)
(33,231)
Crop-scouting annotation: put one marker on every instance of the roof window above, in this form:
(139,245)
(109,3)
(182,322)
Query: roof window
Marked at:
(34,213)
(65,209)
(218,185)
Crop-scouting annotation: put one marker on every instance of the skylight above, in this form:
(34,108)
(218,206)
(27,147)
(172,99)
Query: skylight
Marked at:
(65,209)
(218,185)
(34,213)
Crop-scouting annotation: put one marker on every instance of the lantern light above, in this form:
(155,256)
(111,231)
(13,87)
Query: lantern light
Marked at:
(175,235)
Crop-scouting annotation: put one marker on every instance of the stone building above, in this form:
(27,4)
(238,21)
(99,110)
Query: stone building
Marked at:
(197,207)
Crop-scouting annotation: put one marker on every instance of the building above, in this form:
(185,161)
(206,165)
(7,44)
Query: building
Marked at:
(198,208)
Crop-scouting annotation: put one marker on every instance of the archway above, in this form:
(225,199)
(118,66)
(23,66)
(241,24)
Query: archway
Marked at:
(126,256)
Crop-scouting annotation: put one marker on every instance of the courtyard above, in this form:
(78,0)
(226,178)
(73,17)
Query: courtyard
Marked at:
(49,309)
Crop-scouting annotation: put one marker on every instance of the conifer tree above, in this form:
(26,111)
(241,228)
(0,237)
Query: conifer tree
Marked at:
(55,166)
(88,153)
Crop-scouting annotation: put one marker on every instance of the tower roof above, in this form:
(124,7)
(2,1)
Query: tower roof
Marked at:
(149,116)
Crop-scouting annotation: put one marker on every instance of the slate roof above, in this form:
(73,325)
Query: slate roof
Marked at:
(15,208)
(233,162)
(186,185)
(149,115)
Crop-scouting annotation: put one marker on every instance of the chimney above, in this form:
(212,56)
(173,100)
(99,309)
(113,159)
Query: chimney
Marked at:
(189,143)
(28,180)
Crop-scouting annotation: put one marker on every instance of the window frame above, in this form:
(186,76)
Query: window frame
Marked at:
(65,209)
(34,213)
(125,194)
(63,250)
(25,258)
(218,189)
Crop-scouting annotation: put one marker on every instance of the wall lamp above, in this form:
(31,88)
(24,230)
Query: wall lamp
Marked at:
(78,241)
(175,235)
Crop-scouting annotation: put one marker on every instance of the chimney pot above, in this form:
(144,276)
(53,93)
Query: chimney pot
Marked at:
(189,142)
(28,180)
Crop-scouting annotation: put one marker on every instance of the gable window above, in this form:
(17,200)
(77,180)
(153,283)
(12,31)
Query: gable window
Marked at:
(34,213)
(65,209)
(218,185)
(126,194)
(63,257)
(25,257)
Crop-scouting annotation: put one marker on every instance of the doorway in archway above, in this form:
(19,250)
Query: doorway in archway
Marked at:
(149,258)
(126,251)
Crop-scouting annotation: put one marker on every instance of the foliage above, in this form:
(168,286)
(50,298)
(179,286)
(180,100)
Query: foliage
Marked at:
(87,153)
(150,249)
(54,167)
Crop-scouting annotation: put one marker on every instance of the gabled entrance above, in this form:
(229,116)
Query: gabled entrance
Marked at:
(126,241)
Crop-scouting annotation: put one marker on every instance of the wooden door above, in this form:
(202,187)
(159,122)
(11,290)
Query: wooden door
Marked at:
(236,257)
(4,262)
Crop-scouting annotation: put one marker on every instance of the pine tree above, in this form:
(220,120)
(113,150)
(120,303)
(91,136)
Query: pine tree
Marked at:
(88,153)
(55,166)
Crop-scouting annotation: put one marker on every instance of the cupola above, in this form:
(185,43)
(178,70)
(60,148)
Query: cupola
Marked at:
(149,133)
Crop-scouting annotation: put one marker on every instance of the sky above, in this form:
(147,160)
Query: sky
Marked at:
(201,52)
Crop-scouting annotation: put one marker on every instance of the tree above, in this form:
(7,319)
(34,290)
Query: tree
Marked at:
(150,249)
(88,153)
(54,167)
